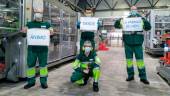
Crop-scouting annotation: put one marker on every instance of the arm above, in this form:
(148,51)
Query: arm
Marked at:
(146,25)
(50,28)
(51,31)
(24,31)
(78,24)
(97,60)
(76,65)
(118,24)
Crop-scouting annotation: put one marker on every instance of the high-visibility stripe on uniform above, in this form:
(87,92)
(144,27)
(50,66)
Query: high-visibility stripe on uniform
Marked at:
(81,81)
(129,63)
(84,65)
(97,60)
(96,74)
(31,72)
(76,64)
(140,64)
(43,71)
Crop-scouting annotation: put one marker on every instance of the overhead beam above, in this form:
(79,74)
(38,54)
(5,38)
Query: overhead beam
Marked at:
(127,2)
(98,3)
(90,2)
(115,4)
(90,5)
(75,6)
(108,4)
(156,3)
(131,2)
(150,3)
(75,2)
(136,2)
(126,9)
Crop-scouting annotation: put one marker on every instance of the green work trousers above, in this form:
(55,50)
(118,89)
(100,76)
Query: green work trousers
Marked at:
(78,75)
(138,51)
(34,53)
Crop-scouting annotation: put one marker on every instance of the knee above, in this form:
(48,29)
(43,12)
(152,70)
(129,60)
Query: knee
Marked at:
(72,79)
(96,66)
(75,77)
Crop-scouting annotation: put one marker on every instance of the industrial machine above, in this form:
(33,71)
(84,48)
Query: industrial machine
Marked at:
(14,14)
(160,21)
(164,68)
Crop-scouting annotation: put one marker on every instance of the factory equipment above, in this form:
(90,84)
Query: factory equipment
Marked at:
(160,21)
(164,68)
(10,24)
(14,14)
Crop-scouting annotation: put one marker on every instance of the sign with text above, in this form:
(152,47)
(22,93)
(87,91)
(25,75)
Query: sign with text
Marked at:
(132,24)
(38,37)
(88,23)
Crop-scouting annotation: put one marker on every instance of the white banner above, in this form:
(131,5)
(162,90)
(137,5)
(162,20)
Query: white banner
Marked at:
(88,23)
(38,37)
(132,24)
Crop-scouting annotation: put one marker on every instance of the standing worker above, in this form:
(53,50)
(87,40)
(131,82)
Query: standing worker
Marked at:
(40,52)
(133,41)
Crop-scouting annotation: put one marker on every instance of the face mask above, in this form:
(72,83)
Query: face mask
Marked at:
(133,12)
(87,49)
(38,16)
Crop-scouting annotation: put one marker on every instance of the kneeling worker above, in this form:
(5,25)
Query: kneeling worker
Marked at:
(86,65)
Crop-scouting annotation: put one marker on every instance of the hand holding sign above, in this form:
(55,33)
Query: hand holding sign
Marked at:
(88,23)
(38,37)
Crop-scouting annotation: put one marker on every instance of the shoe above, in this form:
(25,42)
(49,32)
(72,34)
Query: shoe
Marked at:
(44,86)
(27,86)
(130,79)
(86,80)
(95,87)
(145,81)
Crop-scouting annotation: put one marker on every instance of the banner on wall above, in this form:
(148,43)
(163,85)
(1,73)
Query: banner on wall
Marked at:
(133,24)
(38,37)
(88,23)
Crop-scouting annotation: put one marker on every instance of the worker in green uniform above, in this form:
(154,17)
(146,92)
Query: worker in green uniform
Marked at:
(40,52)
(86,65)
(87,35)
(133,41)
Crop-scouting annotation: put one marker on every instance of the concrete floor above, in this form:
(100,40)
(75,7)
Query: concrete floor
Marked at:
(112,81)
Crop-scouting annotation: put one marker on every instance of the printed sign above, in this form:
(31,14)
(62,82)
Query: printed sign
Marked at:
(132,24)
(38,37)
(88,23)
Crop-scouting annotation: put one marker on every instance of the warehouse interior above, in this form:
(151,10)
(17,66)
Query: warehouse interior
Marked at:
(65,47)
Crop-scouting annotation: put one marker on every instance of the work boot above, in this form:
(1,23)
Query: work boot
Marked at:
(130,79)
(86,78)
(145,81)
(95,87)
(44,86)
(27,86)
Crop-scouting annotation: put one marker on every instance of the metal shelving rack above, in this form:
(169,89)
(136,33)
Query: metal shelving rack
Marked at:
(160,21)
